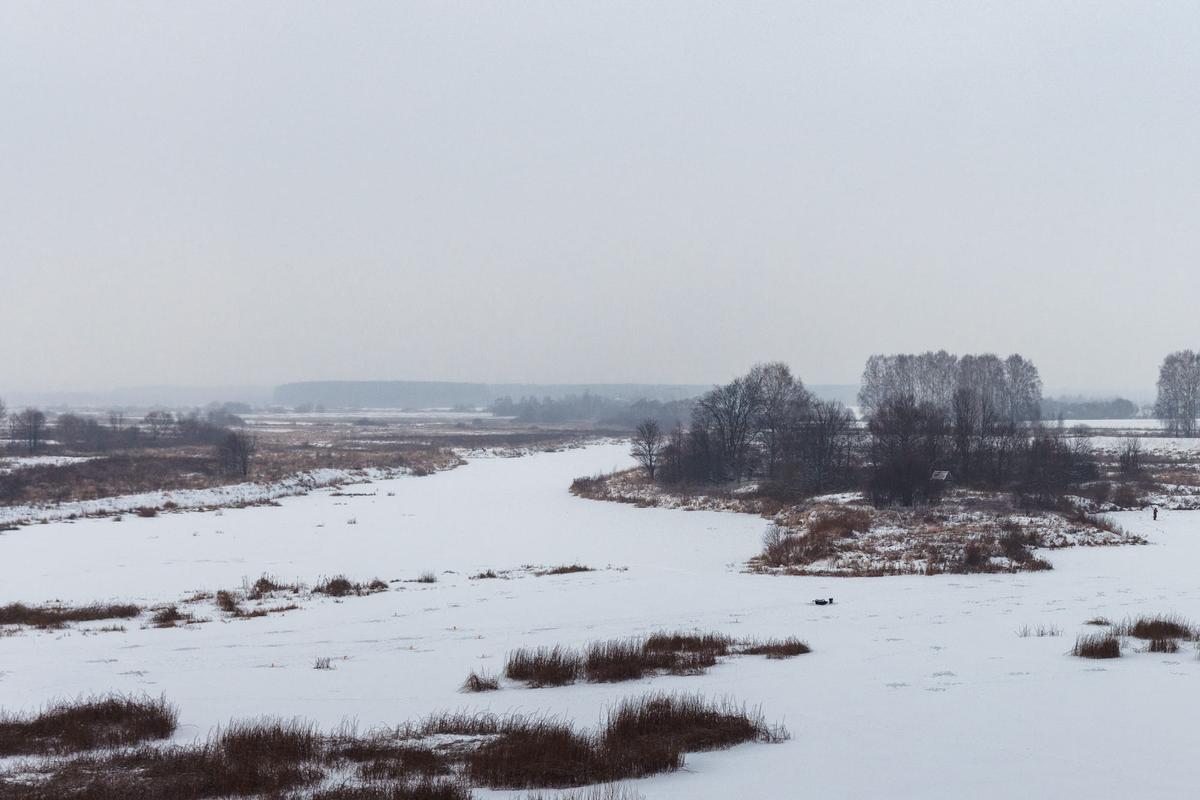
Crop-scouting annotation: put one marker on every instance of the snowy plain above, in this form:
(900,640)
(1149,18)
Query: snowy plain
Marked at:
(916,687)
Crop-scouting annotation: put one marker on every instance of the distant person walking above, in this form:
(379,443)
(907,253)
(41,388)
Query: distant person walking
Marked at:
(1156,513)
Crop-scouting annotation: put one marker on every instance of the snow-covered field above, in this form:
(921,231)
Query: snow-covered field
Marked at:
(25,462)
(234,494)
(917,686)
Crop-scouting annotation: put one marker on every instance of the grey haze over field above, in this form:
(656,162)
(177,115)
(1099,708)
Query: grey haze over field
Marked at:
(257,193)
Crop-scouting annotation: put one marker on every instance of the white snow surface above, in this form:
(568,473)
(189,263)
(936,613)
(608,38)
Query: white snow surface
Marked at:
(233,494)
(24,462)
(917,687)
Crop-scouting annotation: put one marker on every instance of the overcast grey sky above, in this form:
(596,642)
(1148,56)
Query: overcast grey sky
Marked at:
(249,193)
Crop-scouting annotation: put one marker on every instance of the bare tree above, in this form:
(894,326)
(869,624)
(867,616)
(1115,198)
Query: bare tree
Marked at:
(907,443)
(782,404)
(1130,458)
(235,453)
(825,445)
(29,426)
(731,410)
(648,446)
(1178,403)
(159,423)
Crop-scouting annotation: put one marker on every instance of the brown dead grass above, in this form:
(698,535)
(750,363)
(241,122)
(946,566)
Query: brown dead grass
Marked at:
(85,724)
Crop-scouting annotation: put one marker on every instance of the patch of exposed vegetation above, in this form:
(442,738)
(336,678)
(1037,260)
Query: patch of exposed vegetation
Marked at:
(1161,626)
(1097,645)
(341,586)
(56,616)
(86,724)
(439,758)
(617,660)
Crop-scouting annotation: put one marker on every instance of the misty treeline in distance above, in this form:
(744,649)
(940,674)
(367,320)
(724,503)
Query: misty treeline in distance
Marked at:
(976,418)
(30,430)
(604,411)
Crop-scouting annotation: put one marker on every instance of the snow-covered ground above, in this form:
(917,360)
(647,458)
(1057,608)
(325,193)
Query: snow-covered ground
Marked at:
(25,462)
(917,686)
(1149,445)
(234,494)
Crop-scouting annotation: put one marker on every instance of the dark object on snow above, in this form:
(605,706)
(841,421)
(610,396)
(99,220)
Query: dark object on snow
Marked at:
(828,602)
(1156,513)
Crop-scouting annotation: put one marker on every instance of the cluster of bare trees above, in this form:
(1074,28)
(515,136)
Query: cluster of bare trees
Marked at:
(763,424)
(1000,390)
(156,429)
(235,453)
(606,411)
(28,428)
(916,448)
(234,450)
(1178,403)
(970,416)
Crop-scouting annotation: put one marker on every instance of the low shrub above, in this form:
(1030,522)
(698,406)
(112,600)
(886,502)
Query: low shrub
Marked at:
(227,602)
(341,586)
(265,585)
(840,523)
(167,616)
(338,586)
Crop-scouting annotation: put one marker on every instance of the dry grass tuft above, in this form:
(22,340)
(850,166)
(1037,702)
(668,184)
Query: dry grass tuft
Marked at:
(686,721)
(1161,626)
(480,682)
(1040,631)
(265,585)
(680,642)
(622,660)
(105,721)
(565,569)
(607,791)
(341,586)
(55,616)
(227,602)
(777,648)
(168,616)
(1097,645)
(1163,646)
(543,666)
(290,760)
